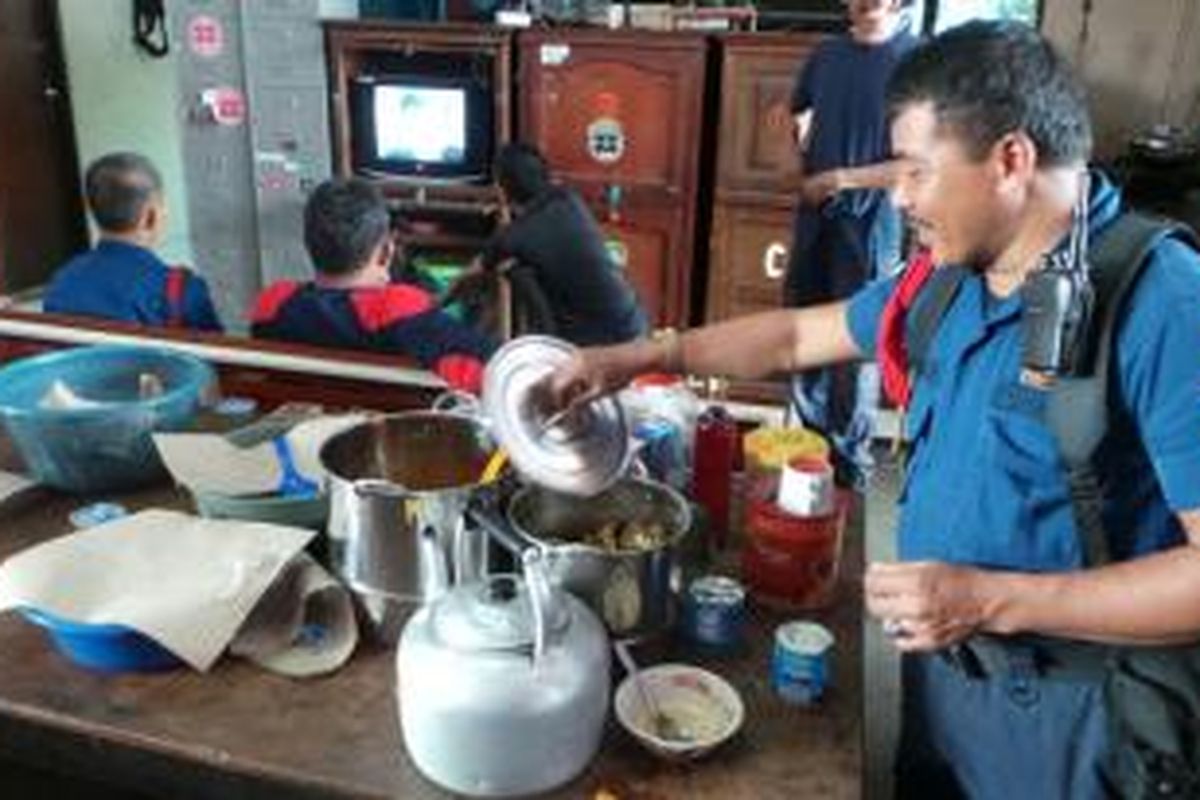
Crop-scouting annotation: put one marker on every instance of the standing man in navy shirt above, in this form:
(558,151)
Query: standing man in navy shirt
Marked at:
(845,232)
(993,133)
(121,278)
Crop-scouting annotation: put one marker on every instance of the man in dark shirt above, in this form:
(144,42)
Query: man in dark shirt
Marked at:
(555,235)
(121,278)
(352,302)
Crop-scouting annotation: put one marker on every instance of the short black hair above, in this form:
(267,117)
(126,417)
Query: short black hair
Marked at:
(521,171)
(345,219)
(118,186)
(989,79)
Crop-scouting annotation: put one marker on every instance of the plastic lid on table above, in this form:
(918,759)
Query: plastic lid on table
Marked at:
(581,452)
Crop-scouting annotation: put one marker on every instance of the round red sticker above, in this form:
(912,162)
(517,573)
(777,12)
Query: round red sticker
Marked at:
(205,36)
(227,105)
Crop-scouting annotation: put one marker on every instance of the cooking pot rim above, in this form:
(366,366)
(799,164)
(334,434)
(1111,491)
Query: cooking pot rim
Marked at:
(381,421)
(687,518)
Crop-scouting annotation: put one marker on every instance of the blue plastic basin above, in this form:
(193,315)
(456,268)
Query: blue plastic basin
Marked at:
(107,648)
(106,446)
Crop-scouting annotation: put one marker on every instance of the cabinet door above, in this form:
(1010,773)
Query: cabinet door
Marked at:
(755,142)
(642,246)
(618,116)
(750,246)
(616,109)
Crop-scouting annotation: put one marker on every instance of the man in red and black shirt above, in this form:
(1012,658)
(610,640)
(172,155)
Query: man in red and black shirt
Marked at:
(351,302)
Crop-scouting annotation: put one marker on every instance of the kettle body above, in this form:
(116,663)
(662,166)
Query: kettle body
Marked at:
(490,708)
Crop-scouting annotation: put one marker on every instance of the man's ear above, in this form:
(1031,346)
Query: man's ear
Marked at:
(1014,160)
(384,254)
(151,217)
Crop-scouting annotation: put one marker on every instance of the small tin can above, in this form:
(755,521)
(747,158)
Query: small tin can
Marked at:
(800,664)
(661,450)
(714,612)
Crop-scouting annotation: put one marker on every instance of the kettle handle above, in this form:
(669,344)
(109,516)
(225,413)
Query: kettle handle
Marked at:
(538,583)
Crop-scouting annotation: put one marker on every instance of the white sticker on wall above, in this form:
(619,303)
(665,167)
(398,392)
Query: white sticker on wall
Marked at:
(606,140)
(555,54)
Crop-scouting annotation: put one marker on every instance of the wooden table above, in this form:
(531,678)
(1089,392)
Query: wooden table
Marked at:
(241,732)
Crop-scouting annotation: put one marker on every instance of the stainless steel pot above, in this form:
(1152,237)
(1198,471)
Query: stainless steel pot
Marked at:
(393,482)
(633,591)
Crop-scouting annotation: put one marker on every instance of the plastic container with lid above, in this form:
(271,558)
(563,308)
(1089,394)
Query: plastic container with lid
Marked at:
(791,561)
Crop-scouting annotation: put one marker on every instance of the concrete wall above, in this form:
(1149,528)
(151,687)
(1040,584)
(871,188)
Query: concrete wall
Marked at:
(1139,58)
(121,99)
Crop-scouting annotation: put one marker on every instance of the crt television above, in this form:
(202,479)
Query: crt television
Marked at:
(421,127)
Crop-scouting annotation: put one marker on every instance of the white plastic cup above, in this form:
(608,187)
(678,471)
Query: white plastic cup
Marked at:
(806,487)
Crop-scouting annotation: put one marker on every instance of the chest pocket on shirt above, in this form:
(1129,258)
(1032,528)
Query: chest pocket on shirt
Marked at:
(1019,441)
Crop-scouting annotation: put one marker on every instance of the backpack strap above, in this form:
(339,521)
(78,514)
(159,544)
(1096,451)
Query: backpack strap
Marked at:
(176,284)
(1077,410)
(922,323)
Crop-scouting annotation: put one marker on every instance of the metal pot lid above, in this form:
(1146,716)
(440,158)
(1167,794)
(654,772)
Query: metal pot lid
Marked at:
(494,614)
(580,453)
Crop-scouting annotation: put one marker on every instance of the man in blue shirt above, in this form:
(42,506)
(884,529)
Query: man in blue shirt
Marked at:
(845,232)
(121,278)
(994,135)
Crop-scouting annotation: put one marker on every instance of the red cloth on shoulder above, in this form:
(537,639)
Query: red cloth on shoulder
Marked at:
(892,346)
(379,307)
(271,299)
(461,371)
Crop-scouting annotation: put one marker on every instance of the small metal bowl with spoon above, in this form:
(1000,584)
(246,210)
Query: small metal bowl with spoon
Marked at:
(676,711)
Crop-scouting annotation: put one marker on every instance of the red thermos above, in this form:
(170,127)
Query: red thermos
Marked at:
(716,447)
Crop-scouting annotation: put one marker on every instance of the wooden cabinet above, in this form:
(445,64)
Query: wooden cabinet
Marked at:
(619,116)
(752,213)
(448,213)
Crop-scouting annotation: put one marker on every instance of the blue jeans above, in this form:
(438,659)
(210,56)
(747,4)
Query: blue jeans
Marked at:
(1014,735)
(833,256)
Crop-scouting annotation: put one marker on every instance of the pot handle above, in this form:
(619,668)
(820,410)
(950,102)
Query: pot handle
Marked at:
(482,510)
(379,488)
(457,402)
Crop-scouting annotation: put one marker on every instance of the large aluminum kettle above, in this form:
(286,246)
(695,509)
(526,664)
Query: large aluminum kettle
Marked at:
(503,685)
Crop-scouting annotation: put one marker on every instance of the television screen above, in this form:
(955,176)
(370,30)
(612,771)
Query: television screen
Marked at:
(422,127)
(420,124)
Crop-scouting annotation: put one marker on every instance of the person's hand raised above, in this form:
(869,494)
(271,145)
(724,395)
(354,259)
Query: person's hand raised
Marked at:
(591,373)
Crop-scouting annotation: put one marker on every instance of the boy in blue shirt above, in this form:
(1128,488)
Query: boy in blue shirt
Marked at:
(121,278)
(994,136)
(352,303)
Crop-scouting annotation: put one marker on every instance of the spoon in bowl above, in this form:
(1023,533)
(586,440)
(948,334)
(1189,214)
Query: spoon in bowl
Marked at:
(662,725)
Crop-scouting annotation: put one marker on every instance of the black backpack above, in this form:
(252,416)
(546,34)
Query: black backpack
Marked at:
(1152,693)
